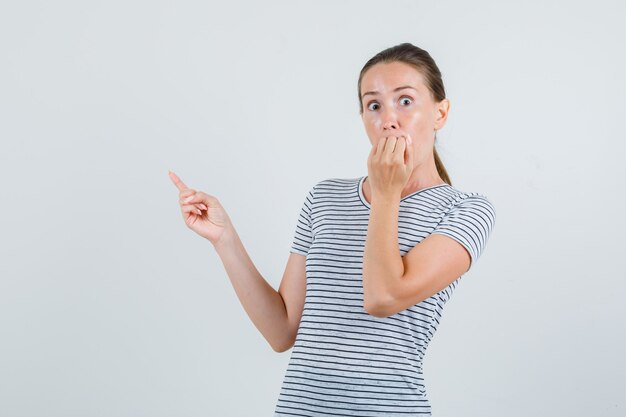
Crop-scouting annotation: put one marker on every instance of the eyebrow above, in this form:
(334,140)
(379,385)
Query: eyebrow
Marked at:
(396,89)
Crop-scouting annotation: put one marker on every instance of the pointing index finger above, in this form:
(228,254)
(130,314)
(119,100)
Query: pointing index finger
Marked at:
(177,182)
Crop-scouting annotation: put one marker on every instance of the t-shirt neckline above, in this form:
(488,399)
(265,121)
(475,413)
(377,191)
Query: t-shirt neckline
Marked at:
(364,201)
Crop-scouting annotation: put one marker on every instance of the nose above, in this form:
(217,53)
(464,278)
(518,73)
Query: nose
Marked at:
(389,125)
(389,120)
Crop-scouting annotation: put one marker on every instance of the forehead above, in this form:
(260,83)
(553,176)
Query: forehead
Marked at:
(384,77)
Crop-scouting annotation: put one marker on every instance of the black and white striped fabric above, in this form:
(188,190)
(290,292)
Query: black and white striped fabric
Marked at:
(346,362)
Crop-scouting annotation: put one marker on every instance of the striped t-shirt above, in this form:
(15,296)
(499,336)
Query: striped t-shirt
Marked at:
(346,362)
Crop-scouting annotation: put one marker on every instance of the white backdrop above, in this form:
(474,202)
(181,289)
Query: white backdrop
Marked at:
(110,306)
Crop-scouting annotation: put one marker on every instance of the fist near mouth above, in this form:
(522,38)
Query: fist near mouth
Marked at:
(389,165)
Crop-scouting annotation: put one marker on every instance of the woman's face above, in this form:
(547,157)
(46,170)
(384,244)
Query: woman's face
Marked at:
(396,101)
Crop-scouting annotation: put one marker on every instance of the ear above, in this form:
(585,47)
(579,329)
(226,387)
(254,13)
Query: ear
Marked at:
(443,108)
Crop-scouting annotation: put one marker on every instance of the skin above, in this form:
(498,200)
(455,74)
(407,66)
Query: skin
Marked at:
(409,112)
(276,314)
(201,212)
(391,283)
(401,126)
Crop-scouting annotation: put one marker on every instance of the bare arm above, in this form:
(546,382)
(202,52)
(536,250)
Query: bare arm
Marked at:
(276,314)
(392,283)
(382,264)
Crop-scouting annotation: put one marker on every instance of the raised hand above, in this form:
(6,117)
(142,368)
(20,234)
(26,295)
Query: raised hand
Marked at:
(389,165)
(201,212)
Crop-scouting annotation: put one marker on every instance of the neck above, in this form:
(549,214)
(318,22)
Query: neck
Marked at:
(420,178)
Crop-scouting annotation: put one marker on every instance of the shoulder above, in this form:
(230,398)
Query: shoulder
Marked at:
(469,218)
(456,199)
(333,185)
(469,210)
(339,183)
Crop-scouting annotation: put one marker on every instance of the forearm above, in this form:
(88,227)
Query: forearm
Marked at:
(263,304)
(382,263)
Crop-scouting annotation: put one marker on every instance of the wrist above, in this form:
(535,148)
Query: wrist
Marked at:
(227,241)
(385,198)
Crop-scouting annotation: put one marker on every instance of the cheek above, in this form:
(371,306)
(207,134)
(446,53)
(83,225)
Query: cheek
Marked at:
(420,124)
(416,119)
(371,123)
(371,127)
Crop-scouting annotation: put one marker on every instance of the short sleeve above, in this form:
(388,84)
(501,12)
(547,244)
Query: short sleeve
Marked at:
(470,223)
(303,236)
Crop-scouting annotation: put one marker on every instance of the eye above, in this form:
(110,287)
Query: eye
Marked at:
(371,104)
(406,98)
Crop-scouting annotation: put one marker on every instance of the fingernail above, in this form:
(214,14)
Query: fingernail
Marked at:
(188,199)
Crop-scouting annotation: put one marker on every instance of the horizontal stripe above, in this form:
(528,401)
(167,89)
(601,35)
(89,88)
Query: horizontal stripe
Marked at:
(346,362)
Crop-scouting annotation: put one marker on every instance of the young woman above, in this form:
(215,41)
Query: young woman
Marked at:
(374,259)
